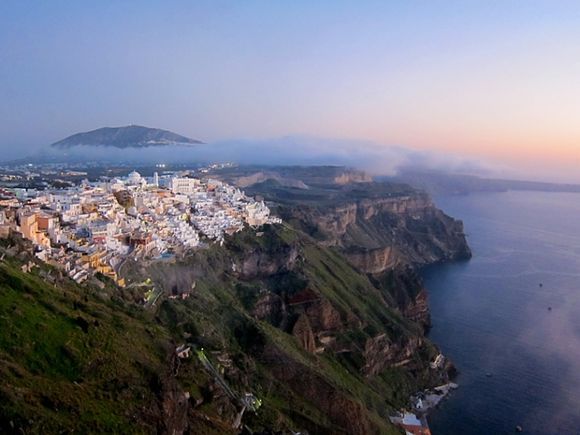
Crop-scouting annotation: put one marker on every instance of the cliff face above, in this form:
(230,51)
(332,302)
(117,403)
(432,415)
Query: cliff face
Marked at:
(348,416)
(378,234)
(374,261)
(387,238)
(381,352)
(260,263)
(321,318)
(385,230)
(303,327)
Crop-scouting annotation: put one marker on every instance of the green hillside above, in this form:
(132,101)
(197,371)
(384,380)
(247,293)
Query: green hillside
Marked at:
(90,359)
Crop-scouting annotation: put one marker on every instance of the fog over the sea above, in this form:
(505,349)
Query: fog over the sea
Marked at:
(375,158)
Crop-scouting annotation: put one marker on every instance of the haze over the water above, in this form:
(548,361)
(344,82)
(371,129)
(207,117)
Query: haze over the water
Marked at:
(492,81)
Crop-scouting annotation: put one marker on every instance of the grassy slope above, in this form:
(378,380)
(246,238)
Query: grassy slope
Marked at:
(69,360)
(216,309)
(72,360)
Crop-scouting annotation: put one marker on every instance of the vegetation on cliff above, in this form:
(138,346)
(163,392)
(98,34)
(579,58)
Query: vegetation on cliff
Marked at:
(300,327)
(385,230)
(330,343)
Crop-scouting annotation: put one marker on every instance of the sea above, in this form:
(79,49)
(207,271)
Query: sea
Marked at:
(509,318)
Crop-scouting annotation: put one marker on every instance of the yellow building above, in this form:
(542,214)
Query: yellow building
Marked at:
(29,226)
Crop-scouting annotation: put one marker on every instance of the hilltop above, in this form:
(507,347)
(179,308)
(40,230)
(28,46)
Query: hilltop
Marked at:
(131,136)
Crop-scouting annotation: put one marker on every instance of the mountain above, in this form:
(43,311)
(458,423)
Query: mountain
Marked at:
(131,136)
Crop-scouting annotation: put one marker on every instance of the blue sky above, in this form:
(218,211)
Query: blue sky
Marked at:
(494,80)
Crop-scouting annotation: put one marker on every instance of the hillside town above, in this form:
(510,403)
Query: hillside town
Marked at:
(95,226)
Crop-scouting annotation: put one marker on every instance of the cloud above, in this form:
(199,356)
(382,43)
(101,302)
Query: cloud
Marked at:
(375,158)
(378,159)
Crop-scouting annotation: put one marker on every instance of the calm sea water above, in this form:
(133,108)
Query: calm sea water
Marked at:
(491,316)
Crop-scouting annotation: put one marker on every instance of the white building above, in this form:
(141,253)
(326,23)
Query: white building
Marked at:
(134,179)
(185,186)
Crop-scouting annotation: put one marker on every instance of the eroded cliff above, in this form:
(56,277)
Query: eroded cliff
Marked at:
(321,318)
(303,326)
(385,230)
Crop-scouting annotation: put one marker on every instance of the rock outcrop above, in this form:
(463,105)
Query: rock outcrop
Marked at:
(303,332)
(377,234)
(382,352)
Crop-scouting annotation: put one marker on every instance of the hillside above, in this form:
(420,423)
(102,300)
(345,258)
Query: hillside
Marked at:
(76,359)
(294,318)
(279,315)
(321,319)
(385,230)
(132,136)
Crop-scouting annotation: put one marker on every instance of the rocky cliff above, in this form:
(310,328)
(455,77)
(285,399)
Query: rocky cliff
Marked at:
(379,233)
(385,230)
(383,237)
(302,326)
(321,318)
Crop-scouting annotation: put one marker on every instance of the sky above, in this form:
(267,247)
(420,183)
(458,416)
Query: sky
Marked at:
(494,81)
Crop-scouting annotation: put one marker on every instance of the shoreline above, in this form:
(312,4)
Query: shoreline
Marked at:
(414,421)
(427,400)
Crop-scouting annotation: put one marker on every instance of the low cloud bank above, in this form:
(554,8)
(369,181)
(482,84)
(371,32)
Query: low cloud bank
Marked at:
(375,158)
